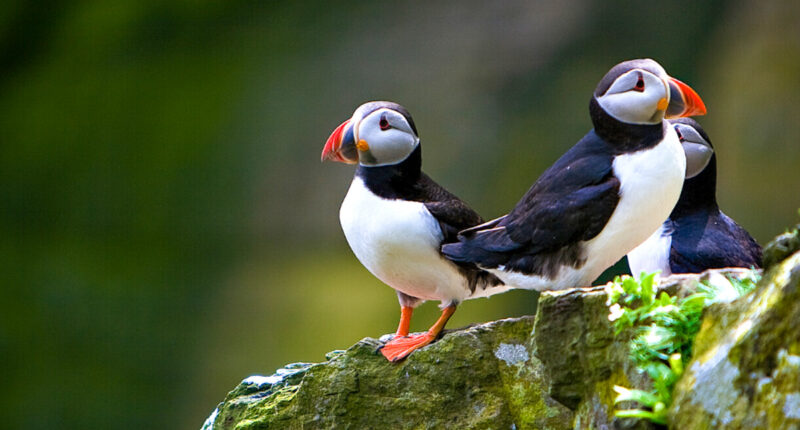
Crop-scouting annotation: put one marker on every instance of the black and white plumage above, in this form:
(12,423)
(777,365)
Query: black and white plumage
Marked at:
(697,235)
(606,195)
(396,218)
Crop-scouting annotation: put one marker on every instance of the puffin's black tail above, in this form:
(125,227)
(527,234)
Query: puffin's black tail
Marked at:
(487,245)
(466,251)
(456,252)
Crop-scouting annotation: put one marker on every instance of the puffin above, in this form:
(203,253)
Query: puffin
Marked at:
(396,218)
(697,235)
(603,197)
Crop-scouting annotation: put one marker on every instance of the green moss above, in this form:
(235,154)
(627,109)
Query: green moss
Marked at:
(557,371)
(782,247)
(524,387)
(746,373)
(456,382)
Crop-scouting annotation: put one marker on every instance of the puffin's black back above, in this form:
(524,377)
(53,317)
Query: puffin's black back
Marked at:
(702,236)
(710,240)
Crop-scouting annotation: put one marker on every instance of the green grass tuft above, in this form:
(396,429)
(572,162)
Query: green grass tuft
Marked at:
(665,330)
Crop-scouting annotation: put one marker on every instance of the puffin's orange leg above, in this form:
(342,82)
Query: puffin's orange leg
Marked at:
(405,321)
(399,347)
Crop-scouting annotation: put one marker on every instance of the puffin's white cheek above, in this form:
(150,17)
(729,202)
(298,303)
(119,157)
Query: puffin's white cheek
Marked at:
(391,152)
(631,107)
(391,147)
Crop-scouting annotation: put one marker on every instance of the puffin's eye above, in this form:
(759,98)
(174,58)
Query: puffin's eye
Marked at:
(384,123)
(680,136)
(639,84)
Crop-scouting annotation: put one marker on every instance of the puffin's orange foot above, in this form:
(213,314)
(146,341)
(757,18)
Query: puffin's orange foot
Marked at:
(399,347)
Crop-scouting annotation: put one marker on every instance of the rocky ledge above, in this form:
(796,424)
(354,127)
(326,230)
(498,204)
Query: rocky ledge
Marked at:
(552,371)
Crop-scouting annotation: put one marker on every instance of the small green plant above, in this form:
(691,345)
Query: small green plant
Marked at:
(665,330)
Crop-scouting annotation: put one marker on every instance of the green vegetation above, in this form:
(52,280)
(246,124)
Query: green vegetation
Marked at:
(666,326)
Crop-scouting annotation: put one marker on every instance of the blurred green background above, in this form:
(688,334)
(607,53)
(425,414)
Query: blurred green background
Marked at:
(167,228)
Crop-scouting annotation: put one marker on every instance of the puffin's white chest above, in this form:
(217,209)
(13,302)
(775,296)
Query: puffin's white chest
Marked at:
(652,254)
(650,185)
(398,241)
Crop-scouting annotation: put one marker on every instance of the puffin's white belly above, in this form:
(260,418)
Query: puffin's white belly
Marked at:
(652,254)
(398,241)
(650,185)
(567,277)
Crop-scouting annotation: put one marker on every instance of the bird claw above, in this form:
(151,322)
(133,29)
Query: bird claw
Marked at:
(400,347)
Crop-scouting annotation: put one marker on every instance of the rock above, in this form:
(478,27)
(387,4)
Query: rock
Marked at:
(745,373)
(554,371)
(479,377)
(583,358)
(782,247)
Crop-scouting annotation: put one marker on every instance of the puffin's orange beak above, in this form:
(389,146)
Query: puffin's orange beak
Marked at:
(684,101)
(341,145)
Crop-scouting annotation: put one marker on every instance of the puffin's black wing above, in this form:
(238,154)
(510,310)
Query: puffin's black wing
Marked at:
(711,241)
(571,202)
(452,214)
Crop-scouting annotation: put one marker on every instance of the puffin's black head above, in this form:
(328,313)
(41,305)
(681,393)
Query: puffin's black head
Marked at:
(700,187)
(378,134)
(641,92)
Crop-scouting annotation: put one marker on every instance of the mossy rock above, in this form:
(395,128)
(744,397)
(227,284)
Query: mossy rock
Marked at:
(483,376)
(782,247)
(502,374)
(584,359)
(745,373)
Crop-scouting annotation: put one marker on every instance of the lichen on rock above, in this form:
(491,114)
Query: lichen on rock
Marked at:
(479,377)
(511,353)
(556,370)
(503,374)
(746,370)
